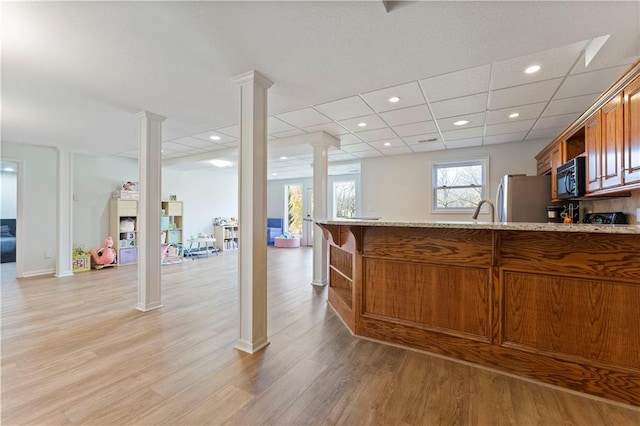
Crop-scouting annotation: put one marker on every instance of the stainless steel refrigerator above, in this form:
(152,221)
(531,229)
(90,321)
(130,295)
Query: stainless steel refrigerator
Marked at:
(522,198)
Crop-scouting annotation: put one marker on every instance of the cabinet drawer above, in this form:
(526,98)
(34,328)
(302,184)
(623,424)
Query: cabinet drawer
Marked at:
(129,255)
(127,208)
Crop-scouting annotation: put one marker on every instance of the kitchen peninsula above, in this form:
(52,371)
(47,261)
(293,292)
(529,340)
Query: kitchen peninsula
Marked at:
(553,302)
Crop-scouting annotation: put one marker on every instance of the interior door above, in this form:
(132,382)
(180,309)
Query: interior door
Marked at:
(307,230)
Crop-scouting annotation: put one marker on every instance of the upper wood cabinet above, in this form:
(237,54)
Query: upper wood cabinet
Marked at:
(612,143)
(557,159)
(632,132)
(593,149)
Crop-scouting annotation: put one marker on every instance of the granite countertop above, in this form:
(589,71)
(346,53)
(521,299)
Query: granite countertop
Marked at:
(506,226)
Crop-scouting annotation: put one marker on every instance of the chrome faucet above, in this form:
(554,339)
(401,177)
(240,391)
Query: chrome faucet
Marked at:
(493,210)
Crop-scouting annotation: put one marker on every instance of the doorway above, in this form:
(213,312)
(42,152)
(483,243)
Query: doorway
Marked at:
(307,231)
(294,209)
(9,211)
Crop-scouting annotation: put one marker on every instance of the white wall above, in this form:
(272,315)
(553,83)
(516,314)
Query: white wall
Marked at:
(94,180)
(399,188)
(39,206)
(9,189)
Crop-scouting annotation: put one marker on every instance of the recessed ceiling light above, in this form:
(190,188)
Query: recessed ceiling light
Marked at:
(532,69)
(221,163)
(362,124)
(387,144)
(394,99)
(8,169)
(274,174)
(514,115)
(460,123)
(283,157)
(215,137)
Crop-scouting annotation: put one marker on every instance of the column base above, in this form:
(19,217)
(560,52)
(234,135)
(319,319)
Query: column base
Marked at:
(63,274)
(149,307)
(319,283)
(251,348)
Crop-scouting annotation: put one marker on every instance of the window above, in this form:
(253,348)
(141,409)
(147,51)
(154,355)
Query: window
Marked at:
(458,185)
(294,208)
(344,199)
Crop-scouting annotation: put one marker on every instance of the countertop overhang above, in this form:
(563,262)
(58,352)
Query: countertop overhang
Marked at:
(504,226)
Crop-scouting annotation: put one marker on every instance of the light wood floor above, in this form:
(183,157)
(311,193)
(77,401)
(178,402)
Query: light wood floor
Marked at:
(75,351)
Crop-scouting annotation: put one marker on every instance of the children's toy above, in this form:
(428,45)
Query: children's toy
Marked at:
(103,256)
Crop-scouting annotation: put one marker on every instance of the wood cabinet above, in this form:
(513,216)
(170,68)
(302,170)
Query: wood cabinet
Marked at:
(632,132)
(560,307)
(123,227)
(593,149)
(556,159)
(612,143)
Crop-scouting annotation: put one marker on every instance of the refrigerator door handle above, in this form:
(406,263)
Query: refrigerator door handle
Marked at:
(500,202)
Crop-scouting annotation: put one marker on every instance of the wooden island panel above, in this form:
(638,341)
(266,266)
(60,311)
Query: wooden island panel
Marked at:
(573,318)
(563,308)
(448,299)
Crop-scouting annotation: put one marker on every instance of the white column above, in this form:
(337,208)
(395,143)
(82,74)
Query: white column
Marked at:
(252,184)
(321,142)
(320,178)
(65,214)
(150,170)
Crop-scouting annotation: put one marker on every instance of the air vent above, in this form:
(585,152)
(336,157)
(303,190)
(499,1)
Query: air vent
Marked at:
(428,140)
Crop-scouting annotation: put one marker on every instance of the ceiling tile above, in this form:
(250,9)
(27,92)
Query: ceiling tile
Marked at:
(400,150)
(589,82)
(376,135)
(233,131)
(475,120)
(409,115)
(393,143)
(357,147)
(555,121)
(349,139)
(345,108)
(175,146)
(553,63)
(512,127)
(303,117)
(596,65)
(575,105)
(521,95)
(459,106)
(206,136)
(334,129)
(416,129)
(195,143)
(232,144)
(472,132)
(372,121)
(428,146)
(504,138)
(368,154)
(464,143)
(526,112)
(288,133)
(457,84)
(413,140)
(544,133)
(341,156)
(409,94)
(275,125)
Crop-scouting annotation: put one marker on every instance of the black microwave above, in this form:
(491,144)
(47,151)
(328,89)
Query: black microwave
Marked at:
(571,179)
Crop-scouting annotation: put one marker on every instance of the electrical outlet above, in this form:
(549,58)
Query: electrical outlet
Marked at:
(75,197)
(47,255)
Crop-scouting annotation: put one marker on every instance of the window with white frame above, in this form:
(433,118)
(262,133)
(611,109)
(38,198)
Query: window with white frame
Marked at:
(458,185)
(344,199)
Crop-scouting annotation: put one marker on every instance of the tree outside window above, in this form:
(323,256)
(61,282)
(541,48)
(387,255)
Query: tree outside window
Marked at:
(294,209)
(344,199)
(459,185)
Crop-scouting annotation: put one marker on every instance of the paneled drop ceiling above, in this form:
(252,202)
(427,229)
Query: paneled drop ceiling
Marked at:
(74,74)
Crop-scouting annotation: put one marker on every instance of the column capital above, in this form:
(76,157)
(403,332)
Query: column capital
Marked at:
(150,115)
(253,76)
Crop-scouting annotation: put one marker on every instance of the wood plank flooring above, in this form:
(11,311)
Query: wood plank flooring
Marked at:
(75,351)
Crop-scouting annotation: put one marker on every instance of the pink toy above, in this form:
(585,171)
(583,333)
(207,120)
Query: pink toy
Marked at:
(103,256)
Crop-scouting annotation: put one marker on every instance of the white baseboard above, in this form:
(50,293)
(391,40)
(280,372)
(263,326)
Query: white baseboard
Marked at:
(64,274)
(319,283)
(149,307)
(251,348)
(28,274)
